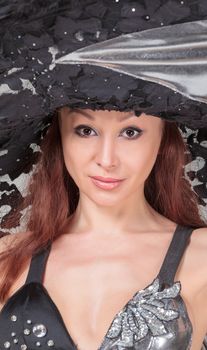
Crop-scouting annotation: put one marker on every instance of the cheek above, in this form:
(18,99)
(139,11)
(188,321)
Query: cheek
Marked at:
(142,159)
(75,156)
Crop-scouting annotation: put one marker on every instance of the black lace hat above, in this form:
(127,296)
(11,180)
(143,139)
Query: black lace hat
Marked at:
(147,56)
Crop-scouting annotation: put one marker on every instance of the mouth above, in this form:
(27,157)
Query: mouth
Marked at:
(106,179)
(107,184)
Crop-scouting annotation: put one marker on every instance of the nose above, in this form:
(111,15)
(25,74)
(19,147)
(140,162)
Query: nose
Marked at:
(106,153)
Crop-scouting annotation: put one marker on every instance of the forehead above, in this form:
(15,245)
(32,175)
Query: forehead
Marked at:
(117,116)
(98,114)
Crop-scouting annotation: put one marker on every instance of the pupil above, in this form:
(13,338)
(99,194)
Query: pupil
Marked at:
(87,131)
(130,132)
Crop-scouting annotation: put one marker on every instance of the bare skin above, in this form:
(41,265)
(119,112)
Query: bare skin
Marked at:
(97,278)
(100,262)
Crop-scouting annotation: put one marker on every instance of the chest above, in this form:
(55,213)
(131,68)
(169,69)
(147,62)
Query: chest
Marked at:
(90,298)
(87,295)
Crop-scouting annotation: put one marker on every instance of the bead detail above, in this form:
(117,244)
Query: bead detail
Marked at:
(7,345)
(39,330)
(13,318)
(50,342)
(27,331)
(23,347)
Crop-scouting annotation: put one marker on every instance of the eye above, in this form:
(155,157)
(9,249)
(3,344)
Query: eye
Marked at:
(132,132)
(86,131)
(83,130)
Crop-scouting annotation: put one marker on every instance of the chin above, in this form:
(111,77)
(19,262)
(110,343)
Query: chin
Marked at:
(107,200)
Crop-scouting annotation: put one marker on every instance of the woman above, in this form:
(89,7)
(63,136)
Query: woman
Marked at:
(114,243)
(132,230)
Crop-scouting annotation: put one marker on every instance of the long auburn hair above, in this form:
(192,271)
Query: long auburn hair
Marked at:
(53,197)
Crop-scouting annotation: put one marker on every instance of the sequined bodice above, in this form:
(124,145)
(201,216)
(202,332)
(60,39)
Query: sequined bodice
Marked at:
(155,318)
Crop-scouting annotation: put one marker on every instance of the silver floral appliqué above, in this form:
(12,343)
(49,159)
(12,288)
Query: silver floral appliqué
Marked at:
(143,313)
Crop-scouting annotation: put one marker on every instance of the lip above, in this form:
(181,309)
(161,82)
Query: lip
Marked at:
(106,179)
(110,185)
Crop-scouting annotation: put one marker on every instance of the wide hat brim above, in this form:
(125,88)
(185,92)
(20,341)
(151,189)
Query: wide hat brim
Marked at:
(114,55)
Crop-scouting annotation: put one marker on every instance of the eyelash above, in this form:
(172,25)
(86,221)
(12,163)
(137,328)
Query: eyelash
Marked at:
(80,127)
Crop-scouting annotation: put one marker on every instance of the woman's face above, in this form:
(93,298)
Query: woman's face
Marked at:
(110,144)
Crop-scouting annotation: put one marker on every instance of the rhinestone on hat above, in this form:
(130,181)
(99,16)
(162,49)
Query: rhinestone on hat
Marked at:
(97,34)
(39,330)
(79,35)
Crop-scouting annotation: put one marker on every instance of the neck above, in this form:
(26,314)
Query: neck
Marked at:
(130,215)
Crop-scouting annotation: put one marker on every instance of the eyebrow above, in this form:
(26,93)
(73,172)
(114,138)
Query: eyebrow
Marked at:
(89,116)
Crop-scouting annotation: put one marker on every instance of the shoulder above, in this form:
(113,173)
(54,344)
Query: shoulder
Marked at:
(197,254)
(198,239)
(198,243)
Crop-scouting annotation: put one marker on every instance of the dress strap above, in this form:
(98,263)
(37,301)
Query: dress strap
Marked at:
(179,242)
(37,265)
